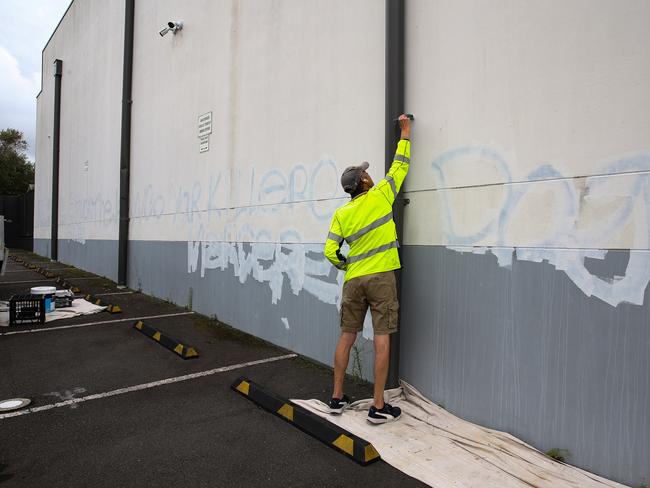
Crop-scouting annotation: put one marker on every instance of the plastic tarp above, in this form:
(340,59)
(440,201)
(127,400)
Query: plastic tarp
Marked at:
(79,307)
(444,451)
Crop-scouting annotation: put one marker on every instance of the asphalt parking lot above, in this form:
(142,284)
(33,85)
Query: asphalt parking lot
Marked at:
(195,432)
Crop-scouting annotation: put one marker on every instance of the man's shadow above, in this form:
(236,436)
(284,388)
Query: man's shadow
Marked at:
(4,476)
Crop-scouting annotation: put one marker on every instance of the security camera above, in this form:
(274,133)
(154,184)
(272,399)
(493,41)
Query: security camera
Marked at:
(173,26)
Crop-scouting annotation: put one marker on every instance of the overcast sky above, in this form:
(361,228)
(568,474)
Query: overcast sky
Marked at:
(26,27)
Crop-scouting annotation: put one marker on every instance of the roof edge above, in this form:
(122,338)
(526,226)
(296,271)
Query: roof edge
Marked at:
(50,38)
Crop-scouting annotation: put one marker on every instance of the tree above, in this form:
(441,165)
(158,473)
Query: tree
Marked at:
(16,172)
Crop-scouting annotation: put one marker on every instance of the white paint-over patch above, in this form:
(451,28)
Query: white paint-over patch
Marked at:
(504,256)
(285,321)
(270,263)
(629,288)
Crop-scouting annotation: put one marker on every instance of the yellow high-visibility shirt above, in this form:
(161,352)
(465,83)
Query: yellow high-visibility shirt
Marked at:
(366,224)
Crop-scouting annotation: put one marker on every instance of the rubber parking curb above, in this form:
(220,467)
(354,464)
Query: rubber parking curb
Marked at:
(183,350)
(66,284)
(48,274)
(110,308)
(330,434)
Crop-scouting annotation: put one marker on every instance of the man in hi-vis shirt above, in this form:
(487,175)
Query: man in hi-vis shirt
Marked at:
(366,224)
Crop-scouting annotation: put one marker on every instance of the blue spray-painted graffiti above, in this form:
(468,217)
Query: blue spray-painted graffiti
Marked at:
(312,185)
(561,244)
(270,256)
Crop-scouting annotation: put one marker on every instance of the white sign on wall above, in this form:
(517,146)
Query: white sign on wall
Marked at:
(205,124)
(204,144)
(205,129)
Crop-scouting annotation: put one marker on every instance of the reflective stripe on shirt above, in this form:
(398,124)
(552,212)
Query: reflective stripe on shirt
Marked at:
(372,252)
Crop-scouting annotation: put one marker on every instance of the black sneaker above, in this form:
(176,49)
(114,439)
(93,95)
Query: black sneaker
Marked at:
(387,414)
(337,405)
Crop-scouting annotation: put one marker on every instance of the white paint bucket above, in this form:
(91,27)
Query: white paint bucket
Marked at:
(47,292)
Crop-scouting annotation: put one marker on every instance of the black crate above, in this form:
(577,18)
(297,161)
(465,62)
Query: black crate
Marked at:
(26,309)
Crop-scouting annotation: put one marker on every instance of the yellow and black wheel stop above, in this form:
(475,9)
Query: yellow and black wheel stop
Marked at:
(110,308)
(331,434)
(183,350)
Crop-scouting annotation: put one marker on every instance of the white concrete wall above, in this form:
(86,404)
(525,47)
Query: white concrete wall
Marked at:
(43,163)
(296,94)
(89,41)
(291,104)
(532,133)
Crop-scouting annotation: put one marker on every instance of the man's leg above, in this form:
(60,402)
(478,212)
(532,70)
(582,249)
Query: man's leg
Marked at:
(382,359)
(341,359)
(382,298)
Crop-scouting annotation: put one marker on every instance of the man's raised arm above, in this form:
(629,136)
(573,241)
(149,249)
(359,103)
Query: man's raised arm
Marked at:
(391,185)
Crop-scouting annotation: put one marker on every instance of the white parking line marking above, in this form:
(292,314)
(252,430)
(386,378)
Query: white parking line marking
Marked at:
(74,278)
(144,386)
(81,278)
(114,293)
(86,324)
(34,271)
(25,281)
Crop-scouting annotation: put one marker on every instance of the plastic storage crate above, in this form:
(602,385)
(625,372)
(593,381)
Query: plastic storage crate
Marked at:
(26,309)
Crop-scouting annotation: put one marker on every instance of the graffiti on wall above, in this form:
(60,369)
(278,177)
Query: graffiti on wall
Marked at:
(206,199)
(221,236)
(301,266)
(79,216)
(562,245)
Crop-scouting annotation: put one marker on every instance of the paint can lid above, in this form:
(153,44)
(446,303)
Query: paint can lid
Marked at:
(43,290)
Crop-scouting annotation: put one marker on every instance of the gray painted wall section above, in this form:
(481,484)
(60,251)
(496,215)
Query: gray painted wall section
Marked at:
(525,351)
(94,255)
(160,269)
(42,247)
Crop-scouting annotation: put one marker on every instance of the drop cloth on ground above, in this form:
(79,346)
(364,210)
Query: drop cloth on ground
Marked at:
(444,451)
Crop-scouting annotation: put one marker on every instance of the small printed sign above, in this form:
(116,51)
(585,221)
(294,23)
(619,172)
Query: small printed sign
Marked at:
(204,144)
(205,124)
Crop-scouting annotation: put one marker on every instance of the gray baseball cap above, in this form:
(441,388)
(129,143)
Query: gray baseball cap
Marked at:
(351,176)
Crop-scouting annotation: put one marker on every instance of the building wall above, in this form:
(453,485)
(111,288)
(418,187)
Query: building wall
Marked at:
(240,227)
(89,41)
(526,303)
(43,166)
(526,264)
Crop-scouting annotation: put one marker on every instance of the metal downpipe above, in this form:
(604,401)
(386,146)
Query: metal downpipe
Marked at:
(395,52)
(56,138)
(125,144)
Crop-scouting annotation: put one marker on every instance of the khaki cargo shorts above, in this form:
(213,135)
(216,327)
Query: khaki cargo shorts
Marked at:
(377,291)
